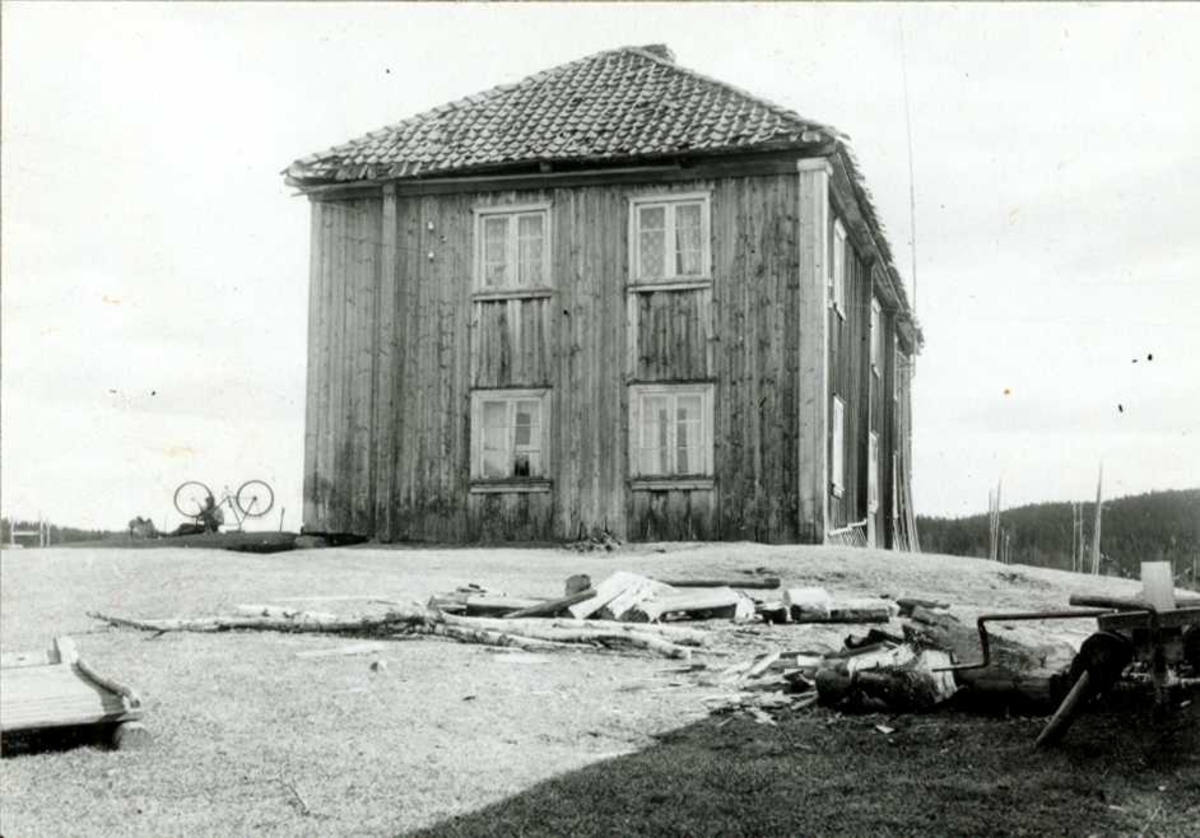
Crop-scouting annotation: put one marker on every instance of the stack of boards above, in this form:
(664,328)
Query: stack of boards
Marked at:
(56,689)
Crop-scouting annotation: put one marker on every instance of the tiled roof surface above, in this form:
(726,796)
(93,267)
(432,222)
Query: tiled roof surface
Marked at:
(625,103)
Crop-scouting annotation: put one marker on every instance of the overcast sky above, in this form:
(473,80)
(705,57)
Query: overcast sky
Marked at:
(155,264)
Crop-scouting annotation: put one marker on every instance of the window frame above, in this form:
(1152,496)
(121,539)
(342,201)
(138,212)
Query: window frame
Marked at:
(510,482)
(876,337)
(514,212)
(706,392)
(837,272)
(669,201)
(837,458)
(873,472)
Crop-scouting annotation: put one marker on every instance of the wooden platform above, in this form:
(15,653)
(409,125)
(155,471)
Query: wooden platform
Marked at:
(40,690)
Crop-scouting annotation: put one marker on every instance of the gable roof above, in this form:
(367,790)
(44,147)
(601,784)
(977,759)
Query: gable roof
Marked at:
(625,104)
(632,102)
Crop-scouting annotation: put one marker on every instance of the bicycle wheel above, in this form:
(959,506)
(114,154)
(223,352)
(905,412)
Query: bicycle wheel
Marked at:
(254,498)
(191,498)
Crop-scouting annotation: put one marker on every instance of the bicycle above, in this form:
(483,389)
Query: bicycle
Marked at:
(194,500)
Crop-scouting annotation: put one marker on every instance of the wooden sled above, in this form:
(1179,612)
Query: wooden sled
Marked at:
(56,689)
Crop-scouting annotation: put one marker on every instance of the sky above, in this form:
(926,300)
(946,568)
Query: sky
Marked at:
(155,265)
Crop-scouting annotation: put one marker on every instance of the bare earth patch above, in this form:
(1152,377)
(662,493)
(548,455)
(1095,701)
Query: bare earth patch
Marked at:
(252,739)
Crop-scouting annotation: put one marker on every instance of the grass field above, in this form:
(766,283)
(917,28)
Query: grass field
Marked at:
(253,740)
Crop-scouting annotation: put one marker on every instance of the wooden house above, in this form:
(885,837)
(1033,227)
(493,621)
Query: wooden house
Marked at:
(616,296)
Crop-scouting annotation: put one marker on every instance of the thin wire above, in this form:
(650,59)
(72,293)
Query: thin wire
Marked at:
(912,188)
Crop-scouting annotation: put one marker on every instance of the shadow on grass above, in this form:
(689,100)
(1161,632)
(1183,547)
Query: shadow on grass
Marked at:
(820,773)
(55,740)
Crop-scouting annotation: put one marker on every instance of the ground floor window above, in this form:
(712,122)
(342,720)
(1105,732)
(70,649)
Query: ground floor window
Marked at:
(670,430)
(509,434)
(837,459)
(873,474)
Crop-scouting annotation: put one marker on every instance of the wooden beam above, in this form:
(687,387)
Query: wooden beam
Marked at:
(813,368)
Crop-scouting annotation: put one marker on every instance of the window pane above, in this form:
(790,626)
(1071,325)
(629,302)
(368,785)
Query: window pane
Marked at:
(527,424)
(688,431)
(495,439)
(655,430)
(495,251)
(530,254)
(688,240)
(652,241)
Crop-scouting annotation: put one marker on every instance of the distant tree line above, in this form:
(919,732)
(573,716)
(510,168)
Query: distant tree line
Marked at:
(58,535)
(1157,526)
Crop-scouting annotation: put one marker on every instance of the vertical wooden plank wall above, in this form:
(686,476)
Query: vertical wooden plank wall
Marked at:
(397,342)
(339,475)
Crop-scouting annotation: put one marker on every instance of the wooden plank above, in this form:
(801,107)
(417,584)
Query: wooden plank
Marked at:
(813,386)
(605,592)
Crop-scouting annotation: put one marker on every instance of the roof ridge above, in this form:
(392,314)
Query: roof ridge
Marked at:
(779,110)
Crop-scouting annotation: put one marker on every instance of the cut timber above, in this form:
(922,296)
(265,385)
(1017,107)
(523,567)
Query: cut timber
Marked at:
(604,593)
(482,605)
(768,583)
(911,685)
(550,608)
(622,607)
(812,604)
(701,602)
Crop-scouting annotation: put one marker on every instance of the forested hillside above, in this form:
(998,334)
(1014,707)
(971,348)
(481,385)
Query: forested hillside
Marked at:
(1158,526)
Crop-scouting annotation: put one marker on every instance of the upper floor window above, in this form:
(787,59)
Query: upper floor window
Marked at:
(876,337)
(512,247)
(838,280)
(509,434)
(671,430)
(669,238)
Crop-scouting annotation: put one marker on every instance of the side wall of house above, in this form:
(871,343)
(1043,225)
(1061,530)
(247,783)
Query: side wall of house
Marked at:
(398,339)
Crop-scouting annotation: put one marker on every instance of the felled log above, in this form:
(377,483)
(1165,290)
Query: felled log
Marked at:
(912,686)
(815,605)
(482,605)
(671,643)
(466,634)
(550,607)
(300,622)
(698,603)
(768,583)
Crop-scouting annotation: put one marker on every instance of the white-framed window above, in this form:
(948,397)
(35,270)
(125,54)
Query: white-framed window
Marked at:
(669,238)
(837,460)
(873,473)
(837,289)
(897,371)
(671,430)
(510,434)
(512,247)
(876,337)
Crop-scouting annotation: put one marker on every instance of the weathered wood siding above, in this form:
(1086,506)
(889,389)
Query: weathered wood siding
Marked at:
(342,353)
(397,341)
(849,378)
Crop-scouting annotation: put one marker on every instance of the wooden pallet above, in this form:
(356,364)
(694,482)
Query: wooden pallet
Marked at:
(55,689)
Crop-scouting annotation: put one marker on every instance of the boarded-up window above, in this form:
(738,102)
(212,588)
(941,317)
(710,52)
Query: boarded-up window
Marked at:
(837,460)
(669,238)
(512,247)
(509,438)
(873,473)
(838,280)
(876,337)
(670,430)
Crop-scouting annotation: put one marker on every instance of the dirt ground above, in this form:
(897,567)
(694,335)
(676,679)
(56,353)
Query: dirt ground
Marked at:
(251,739)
